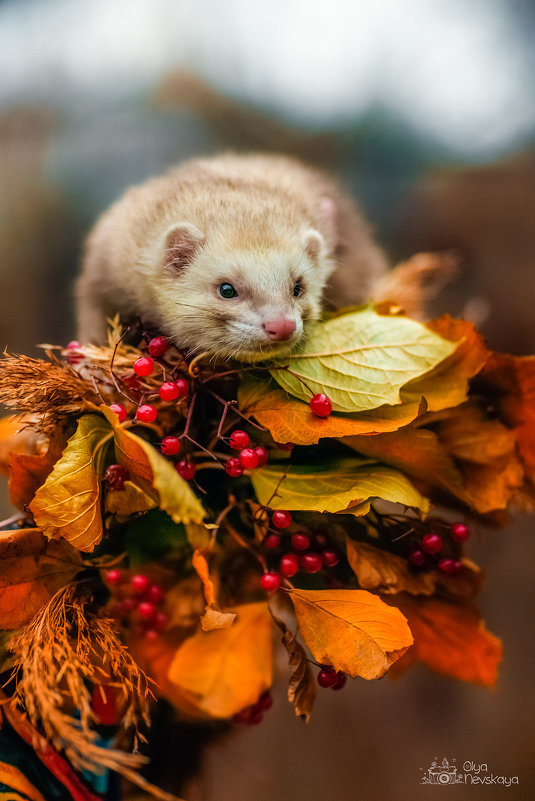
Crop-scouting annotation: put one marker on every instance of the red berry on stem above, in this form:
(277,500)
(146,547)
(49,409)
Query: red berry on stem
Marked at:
(119,410)
(73,345)
(321,540)
(340,682)
(312,562)
(169,391)
(186,469)
(248,458)
(183,387)
(73,357)
(146,413)
(158,346)
(160,621)
(459,532)
(255,715)
(329,558)
(289,565)
(239,439)
(151,635)
(272,541)
(270,582)
(281,518)
(146,610)
(113,576)
(155,594)
(456,567)
(327,677)
(431,543)
(127,605)
(262,456)
(140,583)
(446,566)
(170,446)
(320,405)
(417,558)
(300,541)
(143,366)
(115,476)
(234,467)
(131,381)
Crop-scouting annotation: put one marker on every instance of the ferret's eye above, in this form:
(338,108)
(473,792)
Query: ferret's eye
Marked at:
(298,289)
(227,291)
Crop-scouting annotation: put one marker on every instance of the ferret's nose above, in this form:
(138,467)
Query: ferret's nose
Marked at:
(279,329)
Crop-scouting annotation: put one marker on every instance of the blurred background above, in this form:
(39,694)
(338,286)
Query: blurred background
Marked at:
(426,111)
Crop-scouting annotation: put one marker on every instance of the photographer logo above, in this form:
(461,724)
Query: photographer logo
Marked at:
(442,773)
(446,773)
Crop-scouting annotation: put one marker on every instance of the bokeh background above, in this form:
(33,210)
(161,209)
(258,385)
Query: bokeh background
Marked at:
(426,110)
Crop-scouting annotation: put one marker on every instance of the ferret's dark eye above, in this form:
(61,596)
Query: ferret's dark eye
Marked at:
(227,291)
(298,289)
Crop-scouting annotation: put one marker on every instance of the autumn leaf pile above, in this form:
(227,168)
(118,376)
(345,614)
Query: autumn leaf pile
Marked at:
(164,550)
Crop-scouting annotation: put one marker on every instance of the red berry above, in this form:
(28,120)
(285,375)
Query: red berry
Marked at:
(340,682)
(248,458)
(281,519)
(272,541)
(459,532)
(183,387)
(329,558)
(146,413)
(312,562)
(456,567)
(169,391)
(73,357)
(186,469)
(289,565)
(73,345)
(269,582)
(327,677)
(255,716)
(115,476)
(265,701)
(119,410)
(300,541)
(446,565)
(143,366)
(239,439)
(431,543)
(155,594)
(320,405)
(140,583)
(158,346)
(127,605)
(417,558)
(170,446)
(146,610)
(151,635)
(160,621)
(234,467)
(131,381)
(321,540)
(243,716)
(262,456)
(113,576)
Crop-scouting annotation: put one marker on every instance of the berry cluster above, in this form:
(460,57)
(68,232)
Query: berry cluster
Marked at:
(248,458)
(303,551)
(430,551)
(252,715)
(329,678)
(139,602)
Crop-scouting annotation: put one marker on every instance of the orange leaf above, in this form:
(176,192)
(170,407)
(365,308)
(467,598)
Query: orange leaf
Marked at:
(200,565)
(221,672)
(449,638)
(32,569)
(386,572)
(352,630)
(15,439)
(26,474)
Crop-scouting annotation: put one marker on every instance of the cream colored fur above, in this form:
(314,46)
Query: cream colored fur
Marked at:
(260,223)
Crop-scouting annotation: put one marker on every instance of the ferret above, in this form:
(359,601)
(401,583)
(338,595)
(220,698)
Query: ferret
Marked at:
(228,256)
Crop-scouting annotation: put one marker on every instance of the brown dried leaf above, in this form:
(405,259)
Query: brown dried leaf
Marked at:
(301,686)
(381,571)
(214,619)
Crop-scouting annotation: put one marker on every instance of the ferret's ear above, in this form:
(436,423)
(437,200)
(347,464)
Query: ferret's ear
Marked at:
(182,240)
(314,244)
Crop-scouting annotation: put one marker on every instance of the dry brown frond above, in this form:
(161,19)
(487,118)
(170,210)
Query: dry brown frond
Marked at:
(50,389)
(65,648)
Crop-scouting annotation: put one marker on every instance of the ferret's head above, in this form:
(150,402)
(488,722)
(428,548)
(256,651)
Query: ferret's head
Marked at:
(248,302)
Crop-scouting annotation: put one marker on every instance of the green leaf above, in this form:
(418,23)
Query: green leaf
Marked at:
(340,486)
(362,360)
(67,505)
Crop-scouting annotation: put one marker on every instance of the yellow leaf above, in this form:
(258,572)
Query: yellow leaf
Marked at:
(337,487)
(361,360)
(32,569)
(221,672)
(67,505)
(128,501)
(352,630)
(155,474)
